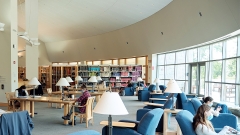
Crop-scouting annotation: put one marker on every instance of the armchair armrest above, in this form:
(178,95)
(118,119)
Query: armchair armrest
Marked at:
(131,121)
(224,119)
(120,131)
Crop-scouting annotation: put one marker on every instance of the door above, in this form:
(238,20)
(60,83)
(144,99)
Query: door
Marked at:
(197,77)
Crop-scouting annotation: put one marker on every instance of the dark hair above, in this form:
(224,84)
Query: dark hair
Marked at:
(83,86)
(20,90)
(206,99)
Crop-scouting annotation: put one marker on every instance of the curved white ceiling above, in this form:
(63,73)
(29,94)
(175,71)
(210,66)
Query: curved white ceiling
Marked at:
(61,20)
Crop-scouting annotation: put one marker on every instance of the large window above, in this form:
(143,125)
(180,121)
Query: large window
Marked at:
(209,69)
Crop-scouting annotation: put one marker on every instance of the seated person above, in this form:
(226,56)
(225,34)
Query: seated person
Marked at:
(21,91)
(82,100)
(129,83)
(209,101)
(202,124)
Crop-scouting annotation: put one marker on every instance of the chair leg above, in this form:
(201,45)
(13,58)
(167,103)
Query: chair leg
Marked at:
(92,121)
(87,123)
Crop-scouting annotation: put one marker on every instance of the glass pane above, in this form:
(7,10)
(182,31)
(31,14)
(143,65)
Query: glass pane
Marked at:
(115,62)
(180,72)
(216,71)
(229,95)
(231,47)
(204,53)
(181,85)
(170,58)
(230,71)
(217,51)
(107,62)
(185,90)
(180,57)
(161,82)
(131,61)
(215,89)
(192,55)
(96,62)
(202,80)
(141,61)
(122,61)
(161,59)
(194,79)
(161,72)
(169,72)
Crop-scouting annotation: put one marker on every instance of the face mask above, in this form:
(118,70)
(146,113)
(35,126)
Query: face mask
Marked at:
(210,116)
(210,104)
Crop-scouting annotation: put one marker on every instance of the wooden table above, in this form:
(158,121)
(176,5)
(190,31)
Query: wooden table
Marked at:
(118,124)
(166,131)
(97,94)
(153,104)
(28,104)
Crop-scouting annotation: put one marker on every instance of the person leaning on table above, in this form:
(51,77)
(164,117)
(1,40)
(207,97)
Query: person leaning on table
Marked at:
(21,91)
(202,124)
(82,100)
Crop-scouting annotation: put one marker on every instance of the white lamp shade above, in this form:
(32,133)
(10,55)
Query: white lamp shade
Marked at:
(110,104)
(157,80)
(172,87)
(78,78)
(99,78)
(34,81)
(62,82)
(139,79)
(93,79)
(69,79)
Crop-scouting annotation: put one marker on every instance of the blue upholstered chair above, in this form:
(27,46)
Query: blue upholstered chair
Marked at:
(193,105)
(143,95)
(129,91)
(151,88)
(185,120)
(146,126)
(142,112)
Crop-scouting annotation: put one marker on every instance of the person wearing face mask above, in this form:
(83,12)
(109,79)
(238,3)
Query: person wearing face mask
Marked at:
(202,124)
(209,101)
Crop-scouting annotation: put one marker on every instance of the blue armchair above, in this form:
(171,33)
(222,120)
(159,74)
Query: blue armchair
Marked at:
(143,95)
(193,105)
(146,126)
(167,105)
(129,91)
(151,88)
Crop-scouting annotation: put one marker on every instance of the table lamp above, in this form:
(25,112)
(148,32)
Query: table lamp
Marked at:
(139,79)
(157,81)
(62,82)
(172,87)
(93,79)
(34,81)
(69,79)
(110,104)
(78,78)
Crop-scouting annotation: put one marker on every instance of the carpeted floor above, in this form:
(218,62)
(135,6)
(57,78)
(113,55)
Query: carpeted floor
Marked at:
(48,121)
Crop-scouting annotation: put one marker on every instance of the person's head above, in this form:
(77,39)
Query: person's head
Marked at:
(83,87)
(203,116)
(22,87)
(208,101)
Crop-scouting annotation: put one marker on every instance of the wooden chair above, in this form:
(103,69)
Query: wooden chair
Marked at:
(10,106)
(49,91)
(88,115)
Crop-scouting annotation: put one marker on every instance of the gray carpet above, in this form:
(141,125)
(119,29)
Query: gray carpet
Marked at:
(48,121)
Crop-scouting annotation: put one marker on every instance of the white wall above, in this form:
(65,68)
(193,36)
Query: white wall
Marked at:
(8,38)
(179,21)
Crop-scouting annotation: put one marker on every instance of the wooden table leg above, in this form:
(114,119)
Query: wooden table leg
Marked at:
(32,108)
(165,123)
(27,106)
(65,113)
(22,105)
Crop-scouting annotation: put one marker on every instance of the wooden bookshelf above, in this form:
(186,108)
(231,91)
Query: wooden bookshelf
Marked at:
(45,76)
(21,72)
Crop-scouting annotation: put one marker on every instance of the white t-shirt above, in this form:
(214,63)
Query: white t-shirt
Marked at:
(203,130)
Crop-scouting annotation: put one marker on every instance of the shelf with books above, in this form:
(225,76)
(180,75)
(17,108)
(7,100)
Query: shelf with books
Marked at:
(21,73)
(44,76)
(56,75)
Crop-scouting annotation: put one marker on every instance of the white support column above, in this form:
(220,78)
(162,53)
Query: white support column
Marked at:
(31,12)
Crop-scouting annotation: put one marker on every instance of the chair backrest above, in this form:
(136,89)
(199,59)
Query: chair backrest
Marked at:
(169,103)
(149,122)
(49,90)
(152,87)
(8,96)
(185,120)
(89,106)
(184,103)
(196,103)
